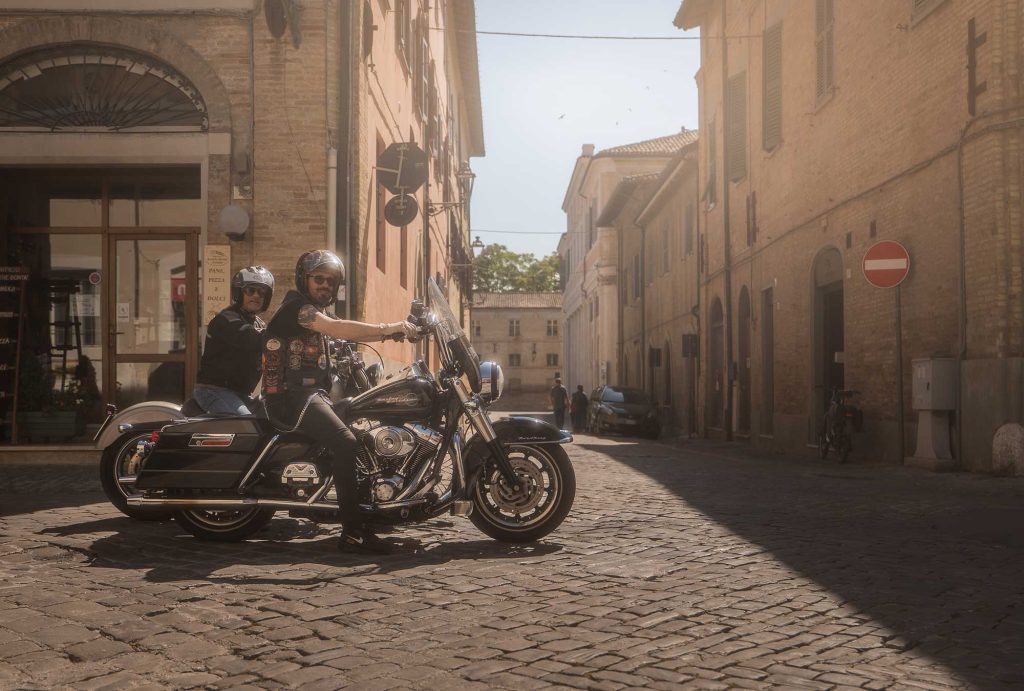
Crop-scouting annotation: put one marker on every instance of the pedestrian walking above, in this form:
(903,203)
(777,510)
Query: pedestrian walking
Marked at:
(559,400)
(579,409)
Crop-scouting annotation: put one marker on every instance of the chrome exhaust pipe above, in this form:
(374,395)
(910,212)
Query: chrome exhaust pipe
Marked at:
(139,500)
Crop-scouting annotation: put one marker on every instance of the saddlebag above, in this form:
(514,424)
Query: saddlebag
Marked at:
(202,454)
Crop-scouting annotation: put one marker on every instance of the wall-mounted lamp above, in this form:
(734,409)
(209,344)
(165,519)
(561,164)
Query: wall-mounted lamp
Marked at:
(465,177)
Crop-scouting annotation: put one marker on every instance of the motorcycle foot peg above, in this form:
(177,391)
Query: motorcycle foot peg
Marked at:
(462,508)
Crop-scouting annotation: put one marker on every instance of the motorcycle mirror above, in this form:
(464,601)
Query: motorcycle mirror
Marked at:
(417,309)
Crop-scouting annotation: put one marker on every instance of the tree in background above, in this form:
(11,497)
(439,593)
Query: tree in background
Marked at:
(499,270)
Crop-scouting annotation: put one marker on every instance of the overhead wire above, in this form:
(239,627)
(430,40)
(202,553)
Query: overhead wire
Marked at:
(593,37)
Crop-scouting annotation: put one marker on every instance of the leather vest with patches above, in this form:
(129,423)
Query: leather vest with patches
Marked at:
(294,357)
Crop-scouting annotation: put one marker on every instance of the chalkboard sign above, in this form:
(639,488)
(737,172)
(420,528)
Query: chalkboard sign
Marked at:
(13,280)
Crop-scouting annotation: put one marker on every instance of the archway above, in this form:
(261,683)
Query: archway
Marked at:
(743,363)
(827,331)
(716,366)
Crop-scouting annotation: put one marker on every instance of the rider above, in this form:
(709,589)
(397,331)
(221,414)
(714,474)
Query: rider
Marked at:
(230,366)
(296,378)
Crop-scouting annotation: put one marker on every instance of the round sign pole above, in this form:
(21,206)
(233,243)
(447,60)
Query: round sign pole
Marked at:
(886,265)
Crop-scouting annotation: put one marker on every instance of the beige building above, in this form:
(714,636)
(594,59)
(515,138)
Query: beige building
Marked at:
(150,148)
(522,332)
(654,216)
(825,128)
(589,255)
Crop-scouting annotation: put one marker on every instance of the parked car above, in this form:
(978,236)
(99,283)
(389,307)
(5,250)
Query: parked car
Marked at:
(622,409)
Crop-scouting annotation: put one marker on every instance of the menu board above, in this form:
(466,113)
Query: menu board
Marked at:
(216,280)
(13,280)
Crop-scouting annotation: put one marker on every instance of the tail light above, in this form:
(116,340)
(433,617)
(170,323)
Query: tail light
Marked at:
(154,436)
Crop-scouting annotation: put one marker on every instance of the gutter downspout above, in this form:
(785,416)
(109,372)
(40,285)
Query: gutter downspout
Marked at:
(643,308)
(729,374)
(332,200)
(343,226)
(693,429)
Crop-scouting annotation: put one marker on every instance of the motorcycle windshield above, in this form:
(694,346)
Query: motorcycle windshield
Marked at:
(448,327)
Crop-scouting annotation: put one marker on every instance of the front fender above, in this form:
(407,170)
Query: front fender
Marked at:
(516,429)
(142,415)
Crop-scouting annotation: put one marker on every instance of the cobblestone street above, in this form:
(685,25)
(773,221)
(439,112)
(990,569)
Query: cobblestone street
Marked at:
(697,566)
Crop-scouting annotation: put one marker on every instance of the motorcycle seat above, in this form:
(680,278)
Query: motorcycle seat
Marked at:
(341,407)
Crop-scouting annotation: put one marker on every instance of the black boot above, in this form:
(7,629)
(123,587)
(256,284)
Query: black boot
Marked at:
(361,541)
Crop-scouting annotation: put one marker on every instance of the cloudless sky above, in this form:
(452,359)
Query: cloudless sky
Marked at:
(543,98)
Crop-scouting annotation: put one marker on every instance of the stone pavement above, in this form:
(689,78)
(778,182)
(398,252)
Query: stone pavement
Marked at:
(692,566)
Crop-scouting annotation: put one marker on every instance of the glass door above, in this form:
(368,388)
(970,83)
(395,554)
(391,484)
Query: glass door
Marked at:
(152,317)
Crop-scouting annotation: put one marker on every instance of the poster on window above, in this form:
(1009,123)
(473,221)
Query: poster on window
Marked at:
(216,280)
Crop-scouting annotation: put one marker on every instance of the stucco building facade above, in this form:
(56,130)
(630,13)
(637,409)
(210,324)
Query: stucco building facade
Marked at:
(825,128)
(589,255)
(150,149)
(522,332)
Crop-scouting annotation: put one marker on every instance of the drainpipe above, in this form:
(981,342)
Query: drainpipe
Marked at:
(645,375)
(343,227)
(727,236)
(332,200)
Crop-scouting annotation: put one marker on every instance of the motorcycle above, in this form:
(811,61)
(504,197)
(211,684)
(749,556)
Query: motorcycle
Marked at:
(120,461)
(427,447)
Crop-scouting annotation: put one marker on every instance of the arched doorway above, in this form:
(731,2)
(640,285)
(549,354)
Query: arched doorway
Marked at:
(827,331)
(716,366)
(743,364)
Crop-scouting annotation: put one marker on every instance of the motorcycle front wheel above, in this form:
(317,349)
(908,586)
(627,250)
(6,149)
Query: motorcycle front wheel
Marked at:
(547,488)
(223,525)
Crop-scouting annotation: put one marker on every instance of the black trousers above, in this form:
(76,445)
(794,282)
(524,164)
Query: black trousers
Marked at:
(559,418)
(320,422)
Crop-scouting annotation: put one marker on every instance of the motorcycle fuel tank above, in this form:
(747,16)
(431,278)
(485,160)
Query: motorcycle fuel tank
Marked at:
(406,400)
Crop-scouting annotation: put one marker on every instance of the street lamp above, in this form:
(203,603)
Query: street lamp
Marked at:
(477,246)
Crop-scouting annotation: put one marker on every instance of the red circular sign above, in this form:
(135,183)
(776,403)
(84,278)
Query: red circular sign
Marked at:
(94,278)
(886,264)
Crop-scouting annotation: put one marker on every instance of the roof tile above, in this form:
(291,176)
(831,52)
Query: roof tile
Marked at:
(517,300)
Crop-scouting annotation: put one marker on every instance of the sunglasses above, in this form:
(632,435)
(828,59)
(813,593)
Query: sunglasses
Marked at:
(254,290)
(320,280)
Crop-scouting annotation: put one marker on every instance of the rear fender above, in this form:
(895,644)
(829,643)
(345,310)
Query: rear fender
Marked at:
(512,431)
(147,416)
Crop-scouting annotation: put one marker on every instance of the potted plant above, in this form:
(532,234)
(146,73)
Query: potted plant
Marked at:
(45,414)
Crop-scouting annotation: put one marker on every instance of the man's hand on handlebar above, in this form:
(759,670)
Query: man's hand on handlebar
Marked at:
(399,331)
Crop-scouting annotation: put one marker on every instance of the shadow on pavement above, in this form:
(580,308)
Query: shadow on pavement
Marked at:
(26,488)
(938,560)
(307,551)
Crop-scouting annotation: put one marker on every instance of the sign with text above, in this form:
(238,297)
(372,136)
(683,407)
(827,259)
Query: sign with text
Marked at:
(216,280)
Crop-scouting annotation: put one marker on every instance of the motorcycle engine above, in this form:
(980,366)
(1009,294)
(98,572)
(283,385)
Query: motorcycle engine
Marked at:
(390,454)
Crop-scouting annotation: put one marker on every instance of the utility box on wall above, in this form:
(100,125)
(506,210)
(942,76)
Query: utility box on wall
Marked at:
(934,385)
(934,395)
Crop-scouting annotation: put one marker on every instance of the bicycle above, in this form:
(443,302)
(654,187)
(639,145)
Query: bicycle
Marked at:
(837,427)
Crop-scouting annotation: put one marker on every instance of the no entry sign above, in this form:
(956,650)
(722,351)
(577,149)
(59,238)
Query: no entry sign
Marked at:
(886,264)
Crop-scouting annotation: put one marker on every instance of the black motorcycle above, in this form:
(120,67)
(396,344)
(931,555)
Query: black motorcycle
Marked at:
(427,447)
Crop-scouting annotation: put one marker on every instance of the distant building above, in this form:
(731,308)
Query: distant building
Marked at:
(589,255)
(522,332)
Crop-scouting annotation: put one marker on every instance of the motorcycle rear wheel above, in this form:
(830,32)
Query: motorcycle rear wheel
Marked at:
(547,491)
(223,526)
(117,465)
(822,445)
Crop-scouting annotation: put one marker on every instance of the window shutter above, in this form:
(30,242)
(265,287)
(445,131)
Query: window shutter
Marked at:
(711,191)
(689,229)
(736,126)
(772,115)
(824,45)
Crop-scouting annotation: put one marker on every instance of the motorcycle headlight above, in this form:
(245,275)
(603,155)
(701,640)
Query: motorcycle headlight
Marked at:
(492,381)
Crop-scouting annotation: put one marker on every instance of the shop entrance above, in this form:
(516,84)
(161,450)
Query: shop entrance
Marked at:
(111,312)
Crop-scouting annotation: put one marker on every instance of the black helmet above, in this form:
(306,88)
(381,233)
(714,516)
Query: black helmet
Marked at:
(252,276)
(323,260)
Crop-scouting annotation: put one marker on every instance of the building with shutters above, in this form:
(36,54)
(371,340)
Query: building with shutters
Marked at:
(150,148)
(589,255)
(829,126)
(655,219)
(522,332)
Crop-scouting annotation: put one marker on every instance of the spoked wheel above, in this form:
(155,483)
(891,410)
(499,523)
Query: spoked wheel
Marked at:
(844,448)
(119,469)
(822,445)
(228,525)
(547,487)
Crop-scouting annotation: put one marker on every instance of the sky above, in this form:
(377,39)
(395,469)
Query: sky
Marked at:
(543,98)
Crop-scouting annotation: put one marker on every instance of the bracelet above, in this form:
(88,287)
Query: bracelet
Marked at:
(383,330)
